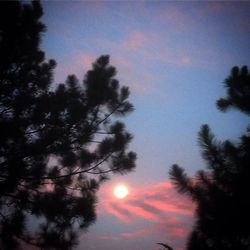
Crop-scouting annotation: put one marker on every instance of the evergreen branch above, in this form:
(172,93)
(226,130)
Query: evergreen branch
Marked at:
(104,171)
(107,116)
(70,174)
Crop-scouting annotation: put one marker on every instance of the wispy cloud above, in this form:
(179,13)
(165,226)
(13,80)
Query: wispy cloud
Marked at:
(149,203)
(137,40)
(165,213)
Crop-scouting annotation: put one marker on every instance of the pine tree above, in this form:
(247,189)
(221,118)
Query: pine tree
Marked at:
(238,91)
(58,142)
(222,191)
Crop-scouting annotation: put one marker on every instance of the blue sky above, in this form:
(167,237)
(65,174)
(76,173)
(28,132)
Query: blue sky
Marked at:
(174,56)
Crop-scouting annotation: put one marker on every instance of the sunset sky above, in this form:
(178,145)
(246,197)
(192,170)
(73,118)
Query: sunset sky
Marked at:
(174,56)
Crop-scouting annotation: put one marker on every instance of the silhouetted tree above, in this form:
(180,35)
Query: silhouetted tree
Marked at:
(58,143)
(222,192)
(238,91)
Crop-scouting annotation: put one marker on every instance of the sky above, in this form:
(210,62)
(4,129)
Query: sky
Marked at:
(174,56)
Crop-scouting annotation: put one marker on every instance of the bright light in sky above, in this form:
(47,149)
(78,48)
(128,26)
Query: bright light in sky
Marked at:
(120,191)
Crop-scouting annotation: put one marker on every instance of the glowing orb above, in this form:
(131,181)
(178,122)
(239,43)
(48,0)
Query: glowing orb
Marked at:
(120,191)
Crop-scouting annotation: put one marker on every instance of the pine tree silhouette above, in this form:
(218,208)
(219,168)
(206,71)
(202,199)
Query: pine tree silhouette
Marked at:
(222,191)
(58,143)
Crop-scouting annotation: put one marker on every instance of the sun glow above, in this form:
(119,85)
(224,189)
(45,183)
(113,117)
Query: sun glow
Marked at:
(120,191)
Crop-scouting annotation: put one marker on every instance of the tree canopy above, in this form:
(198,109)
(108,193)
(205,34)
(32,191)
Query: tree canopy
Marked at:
(222,191)
(59,142)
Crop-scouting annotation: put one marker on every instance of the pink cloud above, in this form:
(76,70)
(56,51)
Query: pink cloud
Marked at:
(186,60)
(86,60)
(117,211)
(166,225)
(149,203)
(77,63)
(120,61)
(149,214)
(140,210)
(135,40)
(179,232)
(171,208)
(139,81)
(139,42)
(173,233)
(143,44)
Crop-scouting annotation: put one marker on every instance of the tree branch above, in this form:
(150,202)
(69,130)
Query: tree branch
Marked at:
(70,174)
(105,171)
(107,116)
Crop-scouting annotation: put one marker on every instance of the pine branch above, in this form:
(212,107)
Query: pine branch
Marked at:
(70,174)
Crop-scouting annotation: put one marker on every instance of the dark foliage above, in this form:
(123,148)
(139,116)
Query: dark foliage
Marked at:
(222,192)
(238,91)
(58,143)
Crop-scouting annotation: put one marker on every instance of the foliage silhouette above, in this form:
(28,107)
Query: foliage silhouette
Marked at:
(58,143)
(165,246)
(238,91)
(221,192)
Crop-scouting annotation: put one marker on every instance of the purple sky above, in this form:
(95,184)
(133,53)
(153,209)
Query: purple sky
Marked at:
(174,57)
